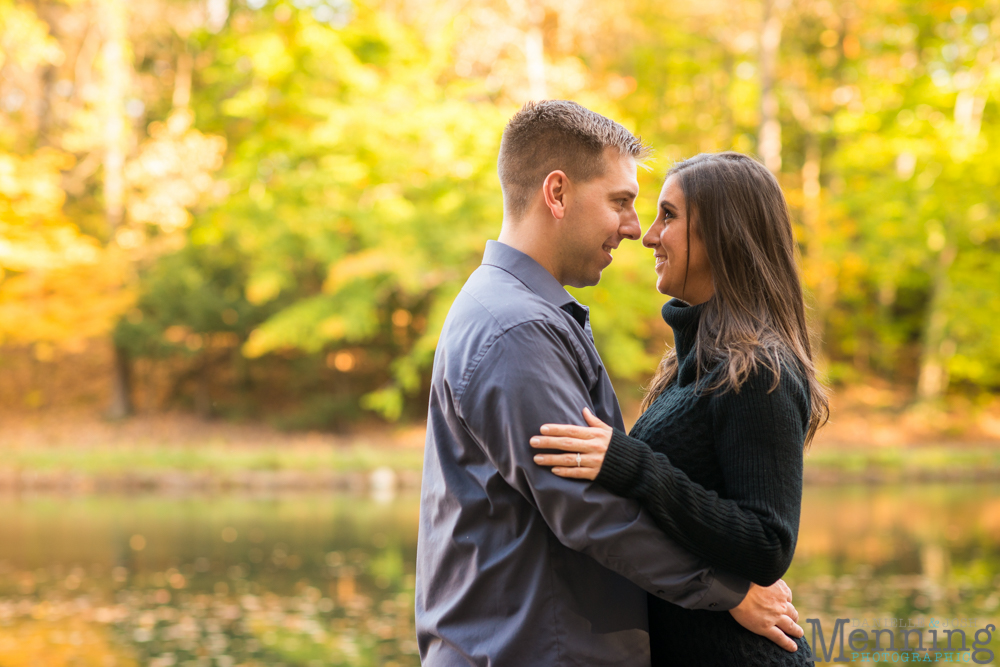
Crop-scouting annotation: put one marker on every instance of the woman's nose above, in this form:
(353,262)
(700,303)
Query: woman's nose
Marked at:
(650,240)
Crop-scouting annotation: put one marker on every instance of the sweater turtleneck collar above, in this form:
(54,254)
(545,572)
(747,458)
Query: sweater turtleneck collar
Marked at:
(683,319)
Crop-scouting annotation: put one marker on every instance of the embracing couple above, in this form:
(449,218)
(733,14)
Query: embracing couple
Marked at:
(549,536)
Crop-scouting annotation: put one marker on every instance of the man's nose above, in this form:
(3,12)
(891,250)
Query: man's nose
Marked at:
(630,229)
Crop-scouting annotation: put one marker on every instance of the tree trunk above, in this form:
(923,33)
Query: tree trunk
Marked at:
(769,135)
(116,76)
(116,79)
(121,386)
(816,279)
(202,394)
(938,348)
(218,13)
(534,53)
(182,80)
(528,17)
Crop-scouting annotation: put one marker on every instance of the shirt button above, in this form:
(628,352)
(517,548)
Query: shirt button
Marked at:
(712,605)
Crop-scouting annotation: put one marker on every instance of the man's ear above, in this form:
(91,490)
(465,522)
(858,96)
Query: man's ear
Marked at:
(554,189)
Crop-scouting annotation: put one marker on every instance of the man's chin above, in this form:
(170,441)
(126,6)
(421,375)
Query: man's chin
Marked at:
(582,281)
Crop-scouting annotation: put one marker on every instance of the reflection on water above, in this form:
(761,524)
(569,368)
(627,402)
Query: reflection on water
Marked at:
(923,557)
(328,580)
(299,580)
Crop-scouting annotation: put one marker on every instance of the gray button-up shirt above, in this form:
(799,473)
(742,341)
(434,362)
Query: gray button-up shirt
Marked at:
(515,565)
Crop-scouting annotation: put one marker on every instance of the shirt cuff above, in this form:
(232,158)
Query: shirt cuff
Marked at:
(622,465)
(726,592)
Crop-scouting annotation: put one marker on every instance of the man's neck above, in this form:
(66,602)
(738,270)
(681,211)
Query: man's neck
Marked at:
(521,238)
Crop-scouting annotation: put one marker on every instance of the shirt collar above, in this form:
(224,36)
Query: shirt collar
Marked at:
(535,277)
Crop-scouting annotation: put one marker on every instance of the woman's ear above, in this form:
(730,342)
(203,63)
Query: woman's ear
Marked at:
(554,189)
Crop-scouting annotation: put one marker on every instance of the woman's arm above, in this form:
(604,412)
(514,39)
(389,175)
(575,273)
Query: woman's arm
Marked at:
(759,438)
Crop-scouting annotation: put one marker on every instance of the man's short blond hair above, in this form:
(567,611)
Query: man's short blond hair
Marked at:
(556,135)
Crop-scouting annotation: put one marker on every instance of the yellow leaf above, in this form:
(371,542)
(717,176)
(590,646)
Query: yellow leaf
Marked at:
(362,265)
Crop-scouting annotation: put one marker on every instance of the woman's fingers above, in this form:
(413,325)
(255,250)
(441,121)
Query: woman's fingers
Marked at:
(568,430)
(565,444)
(567,460)
(593,420)
(585,446)
(576,473)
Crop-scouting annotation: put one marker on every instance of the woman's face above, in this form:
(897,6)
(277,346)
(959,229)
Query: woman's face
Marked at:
(668,237)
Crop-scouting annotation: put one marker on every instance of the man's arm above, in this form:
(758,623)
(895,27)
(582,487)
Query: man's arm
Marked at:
(530,376)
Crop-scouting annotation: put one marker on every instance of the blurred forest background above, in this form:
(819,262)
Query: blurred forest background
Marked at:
(262,209)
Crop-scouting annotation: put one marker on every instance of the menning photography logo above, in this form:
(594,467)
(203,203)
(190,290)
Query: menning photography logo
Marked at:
(903,640)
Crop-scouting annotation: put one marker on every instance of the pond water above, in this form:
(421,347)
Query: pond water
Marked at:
(322,580)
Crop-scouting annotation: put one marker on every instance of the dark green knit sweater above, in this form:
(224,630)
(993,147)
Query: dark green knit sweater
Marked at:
(721,474)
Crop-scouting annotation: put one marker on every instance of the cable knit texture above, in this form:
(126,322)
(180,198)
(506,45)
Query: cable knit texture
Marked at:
(721,473)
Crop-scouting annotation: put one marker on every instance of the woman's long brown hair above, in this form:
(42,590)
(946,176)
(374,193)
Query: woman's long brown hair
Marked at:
(757,314)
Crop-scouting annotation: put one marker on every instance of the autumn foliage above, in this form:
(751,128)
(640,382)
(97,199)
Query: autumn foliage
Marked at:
(268,205)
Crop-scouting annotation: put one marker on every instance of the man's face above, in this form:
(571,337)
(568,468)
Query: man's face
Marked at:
(599,214)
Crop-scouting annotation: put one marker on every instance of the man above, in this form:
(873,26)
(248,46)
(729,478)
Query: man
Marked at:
(517,566)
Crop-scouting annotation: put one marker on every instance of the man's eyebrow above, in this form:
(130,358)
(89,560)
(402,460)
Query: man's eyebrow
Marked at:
(625,193)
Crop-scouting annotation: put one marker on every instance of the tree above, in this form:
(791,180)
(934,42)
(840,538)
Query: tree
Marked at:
(57,286)
(323,173)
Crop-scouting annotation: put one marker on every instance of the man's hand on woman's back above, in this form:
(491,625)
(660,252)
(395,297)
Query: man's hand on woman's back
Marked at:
(768,611)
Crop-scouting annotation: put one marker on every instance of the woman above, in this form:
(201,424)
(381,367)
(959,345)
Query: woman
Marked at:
(716,457)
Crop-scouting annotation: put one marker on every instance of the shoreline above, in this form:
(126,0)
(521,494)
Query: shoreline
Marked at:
(175,453)
(382,481)
(379,473)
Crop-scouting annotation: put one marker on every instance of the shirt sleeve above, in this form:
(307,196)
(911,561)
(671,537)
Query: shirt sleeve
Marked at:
(759,437)
(529,376)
